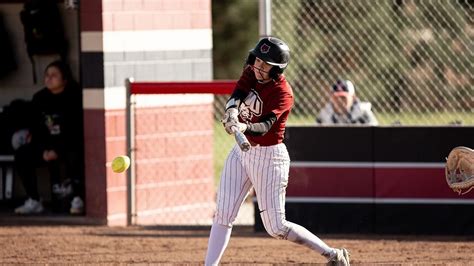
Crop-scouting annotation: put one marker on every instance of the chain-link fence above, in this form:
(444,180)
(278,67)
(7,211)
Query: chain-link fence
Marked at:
(413,60)
(178,151)
(173,163)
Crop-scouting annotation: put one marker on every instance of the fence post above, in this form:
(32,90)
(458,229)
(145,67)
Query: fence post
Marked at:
(265,18)
(130,102)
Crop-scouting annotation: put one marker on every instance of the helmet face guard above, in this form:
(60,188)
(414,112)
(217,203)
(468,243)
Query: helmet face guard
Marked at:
(272,51)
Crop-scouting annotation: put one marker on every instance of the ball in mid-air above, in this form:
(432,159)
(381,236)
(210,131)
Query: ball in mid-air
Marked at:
(120,164)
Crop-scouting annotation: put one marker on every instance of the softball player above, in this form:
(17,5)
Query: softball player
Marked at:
(259,107)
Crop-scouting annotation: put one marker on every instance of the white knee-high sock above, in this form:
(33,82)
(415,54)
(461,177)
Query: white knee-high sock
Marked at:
(218,240)
(300,235)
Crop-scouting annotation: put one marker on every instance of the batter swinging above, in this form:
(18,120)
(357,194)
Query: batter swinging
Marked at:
(259,107)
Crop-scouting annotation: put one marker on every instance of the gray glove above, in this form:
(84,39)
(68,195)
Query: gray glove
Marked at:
(231,115)
(240,127)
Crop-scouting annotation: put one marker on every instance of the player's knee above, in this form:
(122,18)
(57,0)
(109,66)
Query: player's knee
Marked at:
(278,233)
(222,219)
(275,224)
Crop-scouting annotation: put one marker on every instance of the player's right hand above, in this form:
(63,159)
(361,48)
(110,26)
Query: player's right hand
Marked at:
(239,126)
(49,155)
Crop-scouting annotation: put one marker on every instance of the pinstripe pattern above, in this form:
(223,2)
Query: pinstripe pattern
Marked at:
(233,189)
(264,168)
(273,177)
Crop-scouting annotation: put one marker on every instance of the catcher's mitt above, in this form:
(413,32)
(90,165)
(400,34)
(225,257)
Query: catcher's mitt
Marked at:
(460,170)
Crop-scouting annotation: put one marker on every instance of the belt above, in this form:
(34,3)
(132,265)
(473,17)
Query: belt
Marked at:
(254,144)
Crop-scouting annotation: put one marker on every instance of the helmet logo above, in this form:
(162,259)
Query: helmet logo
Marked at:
(264,48)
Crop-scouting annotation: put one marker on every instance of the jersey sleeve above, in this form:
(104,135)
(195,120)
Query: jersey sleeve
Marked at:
(324,116)
(369,117)
(281,102)
(262,127)
(39,130)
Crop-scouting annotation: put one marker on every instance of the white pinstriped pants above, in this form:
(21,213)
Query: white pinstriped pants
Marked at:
(264,168)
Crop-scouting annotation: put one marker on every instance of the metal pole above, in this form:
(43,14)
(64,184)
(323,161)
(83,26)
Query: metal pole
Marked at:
(131,210)
(265,17)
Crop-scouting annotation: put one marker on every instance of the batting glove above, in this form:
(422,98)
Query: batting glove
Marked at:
(230,116)
(240,127)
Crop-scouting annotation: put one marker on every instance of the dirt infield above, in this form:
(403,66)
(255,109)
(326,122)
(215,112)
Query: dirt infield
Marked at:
(112,245)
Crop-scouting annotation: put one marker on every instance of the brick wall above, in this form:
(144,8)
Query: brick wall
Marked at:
(174,166)
(150,40)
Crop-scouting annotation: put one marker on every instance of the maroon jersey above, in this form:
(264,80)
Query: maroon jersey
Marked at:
(275,97)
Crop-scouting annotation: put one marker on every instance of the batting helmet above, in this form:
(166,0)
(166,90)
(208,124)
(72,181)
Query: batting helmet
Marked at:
(272,51)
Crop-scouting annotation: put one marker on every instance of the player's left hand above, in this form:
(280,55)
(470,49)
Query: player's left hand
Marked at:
(49,155)
(240,126)
(231,115)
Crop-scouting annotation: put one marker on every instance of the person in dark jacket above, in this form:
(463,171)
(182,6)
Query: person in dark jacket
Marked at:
(54,139)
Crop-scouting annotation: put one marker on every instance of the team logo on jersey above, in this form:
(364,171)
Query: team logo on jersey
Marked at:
(251,106)
(264,48)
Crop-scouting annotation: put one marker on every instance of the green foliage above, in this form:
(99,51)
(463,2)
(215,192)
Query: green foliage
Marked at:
(235,32)
(223,143)
(403,55)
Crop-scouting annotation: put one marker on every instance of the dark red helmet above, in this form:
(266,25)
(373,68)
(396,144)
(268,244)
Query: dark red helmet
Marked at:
(272,51)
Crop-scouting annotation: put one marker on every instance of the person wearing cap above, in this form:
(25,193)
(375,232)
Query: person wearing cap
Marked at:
(345,108)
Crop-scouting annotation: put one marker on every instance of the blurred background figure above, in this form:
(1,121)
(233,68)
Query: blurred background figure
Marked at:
(54,139)
(345,108)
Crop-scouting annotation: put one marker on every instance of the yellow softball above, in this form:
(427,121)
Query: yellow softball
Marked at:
(120,164)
